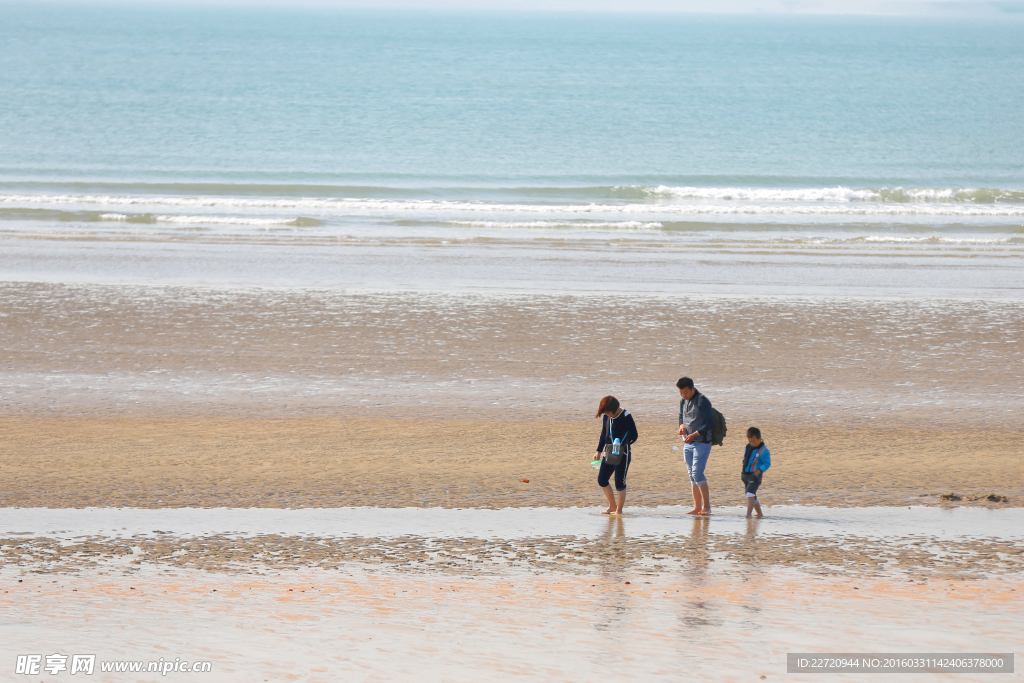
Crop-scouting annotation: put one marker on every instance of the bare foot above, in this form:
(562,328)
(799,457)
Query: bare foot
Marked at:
(694,511)
(619,511)
(704,512)
(609,511)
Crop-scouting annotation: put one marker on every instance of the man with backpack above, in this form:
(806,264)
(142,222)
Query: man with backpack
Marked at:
(697,424)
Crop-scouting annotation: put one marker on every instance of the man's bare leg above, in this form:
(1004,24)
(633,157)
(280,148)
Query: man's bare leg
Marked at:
(621,496)
(612,507)
(705,495)
(696,500)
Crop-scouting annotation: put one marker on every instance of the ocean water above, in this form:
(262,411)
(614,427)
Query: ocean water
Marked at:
(254,146)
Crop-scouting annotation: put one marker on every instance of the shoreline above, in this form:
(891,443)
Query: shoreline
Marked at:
(502,292)
(915,543)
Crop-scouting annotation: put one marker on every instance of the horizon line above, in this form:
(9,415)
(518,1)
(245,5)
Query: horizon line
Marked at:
(1004,9)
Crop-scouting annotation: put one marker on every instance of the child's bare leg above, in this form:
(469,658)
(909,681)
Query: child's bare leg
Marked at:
(751,502)
(621,496)
(611,500)
(757,507)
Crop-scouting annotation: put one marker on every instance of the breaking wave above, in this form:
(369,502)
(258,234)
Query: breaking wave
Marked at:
(300,221)
(675,201)
(899,195)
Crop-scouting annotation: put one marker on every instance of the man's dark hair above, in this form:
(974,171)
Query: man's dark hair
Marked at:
(754,432)
(685,383)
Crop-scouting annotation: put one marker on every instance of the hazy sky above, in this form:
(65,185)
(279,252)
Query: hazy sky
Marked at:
(979,8)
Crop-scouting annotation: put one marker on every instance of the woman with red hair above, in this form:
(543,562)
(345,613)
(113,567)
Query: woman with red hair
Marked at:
(616,425)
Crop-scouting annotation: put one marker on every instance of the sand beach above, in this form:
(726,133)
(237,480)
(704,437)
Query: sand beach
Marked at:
(305,314)
(172,396)
(132,412)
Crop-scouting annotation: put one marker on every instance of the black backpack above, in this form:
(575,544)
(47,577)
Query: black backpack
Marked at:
(719,429)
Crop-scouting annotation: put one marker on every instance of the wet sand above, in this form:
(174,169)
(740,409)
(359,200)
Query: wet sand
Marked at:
(879,364)
(190,396)
(446,605)
(919,542)
(172,397)
(454,606)
(320,625)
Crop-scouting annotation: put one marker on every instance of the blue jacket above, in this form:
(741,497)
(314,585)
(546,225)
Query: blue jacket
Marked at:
(757,458)
(623,429)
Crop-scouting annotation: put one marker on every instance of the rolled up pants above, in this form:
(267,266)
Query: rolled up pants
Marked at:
(696,456)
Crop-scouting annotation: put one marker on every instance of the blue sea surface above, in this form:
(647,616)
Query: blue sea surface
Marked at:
(341,130)
(405,99)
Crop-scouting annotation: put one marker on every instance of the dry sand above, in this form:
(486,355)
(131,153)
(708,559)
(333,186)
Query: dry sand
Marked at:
(330,462)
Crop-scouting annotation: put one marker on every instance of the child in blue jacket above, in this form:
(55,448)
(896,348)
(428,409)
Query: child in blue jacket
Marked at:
(756,459)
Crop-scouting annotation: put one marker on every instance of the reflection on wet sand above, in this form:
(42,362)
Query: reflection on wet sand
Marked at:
(616,529)
(604,596)
(613,603)
(699,613)
(342,624)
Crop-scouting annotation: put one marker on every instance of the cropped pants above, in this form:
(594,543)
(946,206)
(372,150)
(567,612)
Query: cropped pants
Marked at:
(696,456)
(752,484)
(620,470)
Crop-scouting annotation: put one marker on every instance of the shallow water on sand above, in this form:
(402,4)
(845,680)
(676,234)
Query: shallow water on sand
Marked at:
(359,626)
(375,612)
(513,523)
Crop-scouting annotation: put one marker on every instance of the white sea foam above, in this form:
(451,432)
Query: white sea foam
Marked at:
(935,239)
(826,194)
(211,220)
(562,225)
(776,206)
(946,195)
